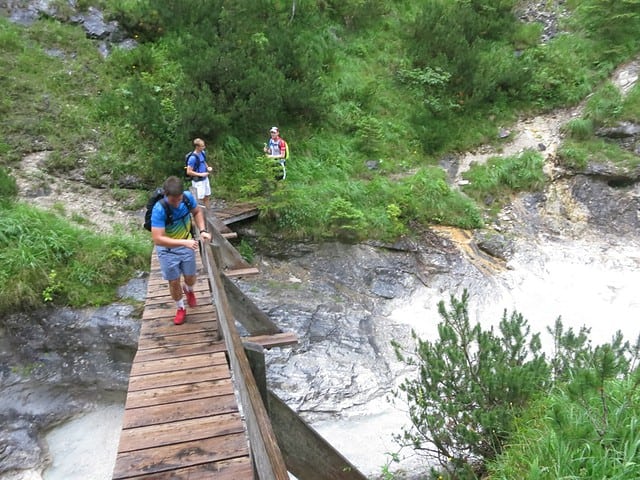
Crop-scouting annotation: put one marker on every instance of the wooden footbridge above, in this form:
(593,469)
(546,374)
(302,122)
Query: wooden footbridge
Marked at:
(198,406)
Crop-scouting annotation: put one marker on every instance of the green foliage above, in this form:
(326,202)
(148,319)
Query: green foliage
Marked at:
(605,105)
(494,181)
(471,384)
(45,259)
(49,89)
(8,186)
(348,82)
(631,105)
(615,23)
(428,197)
(577,155)
(246,250)
(346,221)
(487,400)
(585,429)
(578,129)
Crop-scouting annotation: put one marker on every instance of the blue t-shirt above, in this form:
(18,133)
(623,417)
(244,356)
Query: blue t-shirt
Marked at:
(181,226)
(201,165)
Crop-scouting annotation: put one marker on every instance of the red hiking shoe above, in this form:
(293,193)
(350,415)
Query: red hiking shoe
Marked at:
(180,316)
(191,297)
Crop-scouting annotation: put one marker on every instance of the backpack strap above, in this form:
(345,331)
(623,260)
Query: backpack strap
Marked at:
(167,211)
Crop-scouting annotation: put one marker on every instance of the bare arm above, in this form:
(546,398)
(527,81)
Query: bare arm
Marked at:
(160,238)
(198,218)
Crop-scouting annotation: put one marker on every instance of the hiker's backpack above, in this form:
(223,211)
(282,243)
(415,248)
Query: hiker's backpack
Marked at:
(286,150)
(158,196)
(196,166)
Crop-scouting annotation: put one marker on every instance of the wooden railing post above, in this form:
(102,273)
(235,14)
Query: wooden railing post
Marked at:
(266,455)
(255,354)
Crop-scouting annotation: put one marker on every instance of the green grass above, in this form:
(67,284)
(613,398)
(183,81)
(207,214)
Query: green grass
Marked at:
(494,182)
(578,154)
(45,259)
(51,80)
(561,437)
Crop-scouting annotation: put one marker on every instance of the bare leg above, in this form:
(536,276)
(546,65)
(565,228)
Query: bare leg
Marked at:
(175,289)
(190,280)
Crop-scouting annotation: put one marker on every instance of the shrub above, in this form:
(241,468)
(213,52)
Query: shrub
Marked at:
(495,181)
(345,221)
(586,429)
(578,129)
(605,105)
(8,186)
(470,385)
(87,267)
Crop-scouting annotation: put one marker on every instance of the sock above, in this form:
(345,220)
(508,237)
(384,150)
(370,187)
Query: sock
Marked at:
(180,304)
(187,288)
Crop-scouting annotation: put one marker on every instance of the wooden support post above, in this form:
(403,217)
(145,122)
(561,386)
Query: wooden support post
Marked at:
(306,453)
(246,312)
(255,355)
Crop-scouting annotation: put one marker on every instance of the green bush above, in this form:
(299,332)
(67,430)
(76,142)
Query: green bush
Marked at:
(586,428)
(498,178)
(631,105)
(604,106)
(470,386)
(491,400)
(87,267)
(578,129)
(573,155)
(8,186)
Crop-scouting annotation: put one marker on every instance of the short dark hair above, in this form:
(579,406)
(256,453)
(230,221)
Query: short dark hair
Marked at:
(173,186)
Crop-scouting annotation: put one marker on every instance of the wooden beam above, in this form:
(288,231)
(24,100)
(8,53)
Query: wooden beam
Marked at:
(284,339)
(306,453)
(246,312)
(255,355)
(241,272)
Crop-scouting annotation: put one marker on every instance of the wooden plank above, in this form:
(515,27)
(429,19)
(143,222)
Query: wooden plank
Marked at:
(178,363)
(241,272)
(159,353)
(168,329)
(179,455)
(225,470)
(283,339)
(167,312)
(179,393)
(153,436)
(182,377)
(177,411)
(173,340)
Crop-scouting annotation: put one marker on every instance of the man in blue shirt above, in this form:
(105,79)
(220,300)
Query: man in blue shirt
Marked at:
(175,246)
(198,170)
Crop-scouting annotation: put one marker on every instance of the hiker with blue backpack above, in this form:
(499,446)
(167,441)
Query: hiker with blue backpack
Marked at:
(170,222)
(198,171)
(277,149)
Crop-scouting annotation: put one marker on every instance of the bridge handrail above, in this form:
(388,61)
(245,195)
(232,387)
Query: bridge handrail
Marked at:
(267,456)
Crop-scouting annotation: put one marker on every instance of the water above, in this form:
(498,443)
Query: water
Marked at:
(85,448)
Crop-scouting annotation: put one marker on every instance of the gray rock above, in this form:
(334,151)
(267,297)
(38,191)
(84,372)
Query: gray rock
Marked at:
(622,130)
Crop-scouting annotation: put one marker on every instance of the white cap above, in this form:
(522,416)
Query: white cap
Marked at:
(274,130)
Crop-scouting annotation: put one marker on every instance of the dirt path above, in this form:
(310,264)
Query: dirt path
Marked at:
(81,204)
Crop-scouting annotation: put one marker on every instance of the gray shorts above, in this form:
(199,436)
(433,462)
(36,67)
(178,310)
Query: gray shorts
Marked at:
(175,261)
